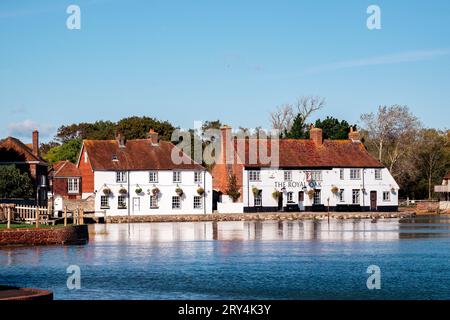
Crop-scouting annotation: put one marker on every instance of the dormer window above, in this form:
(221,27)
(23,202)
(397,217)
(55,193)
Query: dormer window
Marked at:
(114,158)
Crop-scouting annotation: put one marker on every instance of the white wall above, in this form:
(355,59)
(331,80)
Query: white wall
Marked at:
(272,178)
(164,184)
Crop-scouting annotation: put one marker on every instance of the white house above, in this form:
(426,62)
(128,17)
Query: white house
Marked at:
(139,177)
(311,175)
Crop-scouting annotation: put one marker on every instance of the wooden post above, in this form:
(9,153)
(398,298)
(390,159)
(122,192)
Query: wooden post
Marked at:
(65,216)
(8,212)
(37,217)
(81,216)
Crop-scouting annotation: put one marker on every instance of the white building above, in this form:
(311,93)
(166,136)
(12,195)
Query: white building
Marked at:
(311,175)
(139,177)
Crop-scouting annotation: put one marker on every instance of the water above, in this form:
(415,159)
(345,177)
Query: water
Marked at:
(244,260)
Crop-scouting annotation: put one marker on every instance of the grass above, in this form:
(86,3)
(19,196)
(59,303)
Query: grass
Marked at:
(3,226)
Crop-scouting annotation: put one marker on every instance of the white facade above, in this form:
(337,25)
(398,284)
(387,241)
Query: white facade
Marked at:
(191,202)
(370,188)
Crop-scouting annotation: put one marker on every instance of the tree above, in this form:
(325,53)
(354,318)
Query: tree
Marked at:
(232,189)
(99,130)
(334,129)
(391,136)
(14,183)
(138,127)
(67,151)
(433,156)
(282,118)
(298,130)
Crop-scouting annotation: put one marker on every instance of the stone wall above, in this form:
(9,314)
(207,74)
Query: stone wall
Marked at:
(45,236)
(427,206)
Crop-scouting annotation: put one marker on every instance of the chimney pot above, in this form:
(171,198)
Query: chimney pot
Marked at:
(120,139)
(354,135)
(153,136)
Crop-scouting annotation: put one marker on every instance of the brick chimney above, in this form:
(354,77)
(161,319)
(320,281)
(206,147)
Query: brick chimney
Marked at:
(36,143)
(153,136)
(315,134)
(120,139)
(226,145)
(354,135)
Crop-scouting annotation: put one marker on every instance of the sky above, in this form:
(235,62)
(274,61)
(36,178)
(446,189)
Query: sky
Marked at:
(233,60)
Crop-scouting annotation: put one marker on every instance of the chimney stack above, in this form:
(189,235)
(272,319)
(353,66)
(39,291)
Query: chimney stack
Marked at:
(153,136)
(354,135)
(315,134)
(226,145)
(36,143)
(120,139)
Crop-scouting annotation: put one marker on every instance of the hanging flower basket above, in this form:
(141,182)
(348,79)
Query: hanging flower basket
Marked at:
(107,191)
(334,189)
(393,190)
(276,194)
(311,193)
(179,191)
(255,191)
(155,191)
(201,191)
(123,191)
(138,190)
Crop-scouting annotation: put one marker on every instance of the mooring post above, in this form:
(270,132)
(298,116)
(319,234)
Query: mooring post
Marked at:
(65,216)
(37,216)
(8,212)
(81,216)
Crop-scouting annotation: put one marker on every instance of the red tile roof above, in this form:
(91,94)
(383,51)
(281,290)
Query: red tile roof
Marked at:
(65,169)
(11,148)
(136,155)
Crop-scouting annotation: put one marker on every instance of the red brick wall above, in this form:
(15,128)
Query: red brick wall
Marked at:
(87,175)
(60,188)
(45,236)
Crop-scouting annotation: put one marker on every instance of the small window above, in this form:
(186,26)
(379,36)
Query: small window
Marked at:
(386,196)
(290,197)
(197,202)
(355,196)
(355,174)
(153,176)
(121,177)
(198,177)
(73,185)
(177,176)
(176,202)
(153,202)
(317,197)
(114,158)
(316,175)
(258,199)
(287,175)
(341,195)
(254,175)
(378,174)
(104,202)
(122,202)
(341,174)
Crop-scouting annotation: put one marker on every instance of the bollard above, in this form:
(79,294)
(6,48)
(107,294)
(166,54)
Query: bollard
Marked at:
(37,217)
(8,226)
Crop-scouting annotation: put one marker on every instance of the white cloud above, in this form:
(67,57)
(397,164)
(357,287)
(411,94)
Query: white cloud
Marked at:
(24,129)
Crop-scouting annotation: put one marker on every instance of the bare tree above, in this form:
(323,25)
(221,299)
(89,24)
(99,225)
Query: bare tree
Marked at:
(308,105)
(282,118)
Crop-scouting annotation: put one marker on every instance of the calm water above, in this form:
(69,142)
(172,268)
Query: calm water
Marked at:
(244,260)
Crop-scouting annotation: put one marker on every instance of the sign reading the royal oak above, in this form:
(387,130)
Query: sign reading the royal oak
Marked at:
(308,182)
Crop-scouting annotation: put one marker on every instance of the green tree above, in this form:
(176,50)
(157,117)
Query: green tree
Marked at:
(14,183)
(232,188)
(333,129)
(67,151)
(138,127)
(298,129)
(99,130)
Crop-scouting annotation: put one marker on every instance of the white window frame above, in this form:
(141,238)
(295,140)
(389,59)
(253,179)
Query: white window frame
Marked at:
(316,175)
(153,177)
(176,202)
(198,203)
(73,185)
(388,198)
(123,200)
(257,200)
(121,176)
(341,195)
(154,202)
(287,175)
(356,196)
(254,175)
(341,174)
(198,177)
(290,197)
(378,174)
(176,177)
(104,202)
(317,195)
(355,174)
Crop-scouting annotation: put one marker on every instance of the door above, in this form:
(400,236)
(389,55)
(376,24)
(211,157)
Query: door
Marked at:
(136,205)
(280,202)
(373,200)
(301,200)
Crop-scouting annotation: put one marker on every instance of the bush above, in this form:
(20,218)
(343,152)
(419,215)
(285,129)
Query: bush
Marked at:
(14,183)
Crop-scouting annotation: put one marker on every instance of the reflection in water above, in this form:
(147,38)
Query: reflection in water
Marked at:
(336,230)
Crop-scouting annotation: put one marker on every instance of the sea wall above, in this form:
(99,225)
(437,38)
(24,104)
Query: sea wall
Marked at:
(45,236)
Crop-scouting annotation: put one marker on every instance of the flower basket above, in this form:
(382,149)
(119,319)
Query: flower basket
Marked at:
(276,194)
(155,191)
(107,191)
(123,191)
(255,191)
(201,191)
(179,191)
(393,190)
(334,189)
(138,190)
(311,193)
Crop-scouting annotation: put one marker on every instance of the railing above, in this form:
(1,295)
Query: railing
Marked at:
(28,214)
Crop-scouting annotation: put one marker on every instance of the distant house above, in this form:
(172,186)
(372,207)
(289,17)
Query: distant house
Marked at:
(27,158)
(65,183)
(444,193)
(139,177)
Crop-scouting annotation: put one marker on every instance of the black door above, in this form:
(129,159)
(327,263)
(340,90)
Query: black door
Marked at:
(280,202)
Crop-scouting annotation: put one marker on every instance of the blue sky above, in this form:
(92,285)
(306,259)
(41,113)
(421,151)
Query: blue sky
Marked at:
(230,60)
